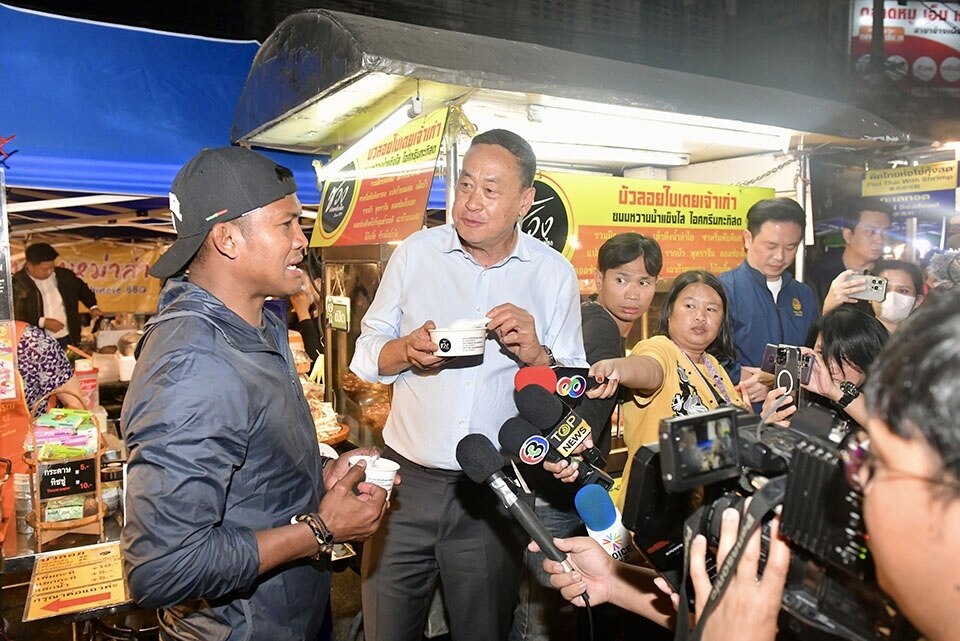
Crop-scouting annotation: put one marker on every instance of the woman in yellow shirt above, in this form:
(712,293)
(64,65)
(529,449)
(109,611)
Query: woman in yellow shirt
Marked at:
(676,374)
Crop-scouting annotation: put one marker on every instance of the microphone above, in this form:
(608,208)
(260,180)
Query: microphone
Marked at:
(565,429)
(538,375)
(604,524)
(519,437)
(482,464)
(565,381)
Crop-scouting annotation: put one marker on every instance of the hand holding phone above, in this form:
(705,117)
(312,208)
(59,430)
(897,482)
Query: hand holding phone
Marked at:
(793,368)
(874,287)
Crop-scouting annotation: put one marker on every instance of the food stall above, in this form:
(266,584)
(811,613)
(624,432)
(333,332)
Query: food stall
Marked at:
(611,138)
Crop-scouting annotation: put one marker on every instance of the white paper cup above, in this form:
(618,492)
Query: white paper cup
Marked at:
(459,342)
(379,471)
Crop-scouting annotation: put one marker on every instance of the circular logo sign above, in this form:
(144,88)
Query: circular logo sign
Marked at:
(337,198)
(444,344)
(574,387)
(534,450)
(547,219)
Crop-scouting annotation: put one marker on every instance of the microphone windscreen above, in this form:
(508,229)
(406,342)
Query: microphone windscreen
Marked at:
(515,438)
(540,407)
(478,457)
(539,375)
(595,507)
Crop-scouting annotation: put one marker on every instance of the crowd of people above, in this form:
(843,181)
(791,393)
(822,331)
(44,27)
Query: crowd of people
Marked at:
(231,512)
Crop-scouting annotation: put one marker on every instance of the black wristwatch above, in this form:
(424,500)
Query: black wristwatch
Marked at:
(850,392)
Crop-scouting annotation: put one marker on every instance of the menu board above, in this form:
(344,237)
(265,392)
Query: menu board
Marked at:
(76,580)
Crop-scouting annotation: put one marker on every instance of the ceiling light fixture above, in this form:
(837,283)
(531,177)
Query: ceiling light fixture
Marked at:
(574,154)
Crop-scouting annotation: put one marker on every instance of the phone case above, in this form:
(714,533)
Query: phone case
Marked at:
(876,288)
(787,372)
(768,362)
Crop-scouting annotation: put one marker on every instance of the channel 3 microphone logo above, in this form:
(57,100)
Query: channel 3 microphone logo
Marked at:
(534,450)
(572,386)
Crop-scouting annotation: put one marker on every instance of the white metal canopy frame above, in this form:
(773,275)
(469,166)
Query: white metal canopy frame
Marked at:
(323,79)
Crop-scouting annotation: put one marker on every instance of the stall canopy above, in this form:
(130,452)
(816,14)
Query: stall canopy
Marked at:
(97,119)
(324,78)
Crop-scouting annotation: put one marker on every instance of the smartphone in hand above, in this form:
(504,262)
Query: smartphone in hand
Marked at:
(876,287)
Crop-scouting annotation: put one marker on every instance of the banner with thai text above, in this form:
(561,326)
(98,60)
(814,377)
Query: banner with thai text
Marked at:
(698,226)
(921,42)
(117,273)
(382,195)
(923,191)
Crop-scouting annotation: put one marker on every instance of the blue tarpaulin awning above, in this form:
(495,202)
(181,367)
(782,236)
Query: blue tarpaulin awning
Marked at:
(104,109)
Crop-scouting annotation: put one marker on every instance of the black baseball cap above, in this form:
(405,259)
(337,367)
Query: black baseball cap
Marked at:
(40,253)
(218,185)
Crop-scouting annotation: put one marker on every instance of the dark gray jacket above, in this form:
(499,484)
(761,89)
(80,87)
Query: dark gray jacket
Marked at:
(221,445)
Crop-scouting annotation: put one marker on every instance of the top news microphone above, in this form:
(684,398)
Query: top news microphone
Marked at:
(565,429)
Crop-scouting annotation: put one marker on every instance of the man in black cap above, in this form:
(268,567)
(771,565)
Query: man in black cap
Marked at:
(231,511)
(47,296)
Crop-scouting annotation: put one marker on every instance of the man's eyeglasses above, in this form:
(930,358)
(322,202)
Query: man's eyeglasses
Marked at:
(860,464)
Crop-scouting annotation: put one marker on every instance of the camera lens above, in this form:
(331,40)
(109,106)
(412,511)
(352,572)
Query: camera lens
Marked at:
(714,516)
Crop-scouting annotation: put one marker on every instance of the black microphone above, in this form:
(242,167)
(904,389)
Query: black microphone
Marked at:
(520,437)
(482,463)
(565,429)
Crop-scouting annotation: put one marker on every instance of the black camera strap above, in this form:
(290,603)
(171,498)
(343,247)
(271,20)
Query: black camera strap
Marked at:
(764,501)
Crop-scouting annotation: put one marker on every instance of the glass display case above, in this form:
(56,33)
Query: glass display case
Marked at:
(354,274)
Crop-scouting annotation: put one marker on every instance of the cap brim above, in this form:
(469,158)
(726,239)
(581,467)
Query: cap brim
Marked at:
(177,257)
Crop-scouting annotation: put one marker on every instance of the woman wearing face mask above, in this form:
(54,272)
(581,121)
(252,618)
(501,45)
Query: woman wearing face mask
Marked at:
(904,292)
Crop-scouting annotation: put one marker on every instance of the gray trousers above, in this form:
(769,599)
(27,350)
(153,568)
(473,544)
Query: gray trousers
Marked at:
(441,524)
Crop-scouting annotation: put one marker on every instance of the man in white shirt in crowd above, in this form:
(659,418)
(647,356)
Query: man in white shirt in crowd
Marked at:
(47,296)
(442,524)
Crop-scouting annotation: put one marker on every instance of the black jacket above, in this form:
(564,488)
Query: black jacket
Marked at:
(28,303)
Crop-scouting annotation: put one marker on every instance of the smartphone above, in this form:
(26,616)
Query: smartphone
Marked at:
(768,362)
(876,287)
(792,368)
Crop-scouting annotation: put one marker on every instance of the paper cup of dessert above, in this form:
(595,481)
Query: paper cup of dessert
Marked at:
(463,338)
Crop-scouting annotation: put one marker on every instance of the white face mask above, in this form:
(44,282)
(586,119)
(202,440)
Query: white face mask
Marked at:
(896,307)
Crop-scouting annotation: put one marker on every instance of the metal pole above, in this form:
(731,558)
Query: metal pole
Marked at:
(802,198)
(877,55)
(452,170)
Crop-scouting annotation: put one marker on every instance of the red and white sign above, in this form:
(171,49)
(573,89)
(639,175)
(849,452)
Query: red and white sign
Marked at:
(921,43)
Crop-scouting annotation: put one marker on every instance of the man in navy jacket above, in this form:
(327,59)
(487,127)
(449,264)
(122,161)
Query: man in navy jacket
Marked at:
(767,305)
(231,511)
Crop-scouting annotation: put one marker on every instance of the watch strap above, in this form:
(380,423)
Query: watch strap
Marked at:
(549,353)
(850,393)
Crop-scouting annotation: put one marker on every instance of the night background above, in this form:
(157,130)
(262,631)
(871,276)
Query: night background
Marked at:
(797,46)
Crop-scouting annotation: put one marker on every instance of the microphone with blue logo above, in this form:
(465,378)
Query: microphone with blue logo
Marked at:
(564,428)
(604,524)
(519,437)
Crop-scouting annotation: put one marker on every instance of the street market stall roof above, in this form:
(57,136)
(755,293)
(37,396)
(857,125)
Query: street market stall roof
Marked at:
(323,79)
(98,118)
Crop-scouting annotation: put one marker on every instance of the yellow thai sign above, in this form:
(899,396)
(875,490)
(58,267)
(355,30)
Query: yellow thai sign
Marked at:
(905,180)
(698,226)
(76,580)
(382,195)
(117,273)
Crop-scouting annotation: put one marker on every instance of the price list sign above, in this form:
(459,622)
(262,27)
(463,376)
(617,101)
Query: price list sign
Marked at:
(76,580)
(67,478)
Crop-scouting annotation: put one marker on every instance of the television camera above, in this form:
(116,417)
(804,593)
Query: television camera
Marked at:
(705,463)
